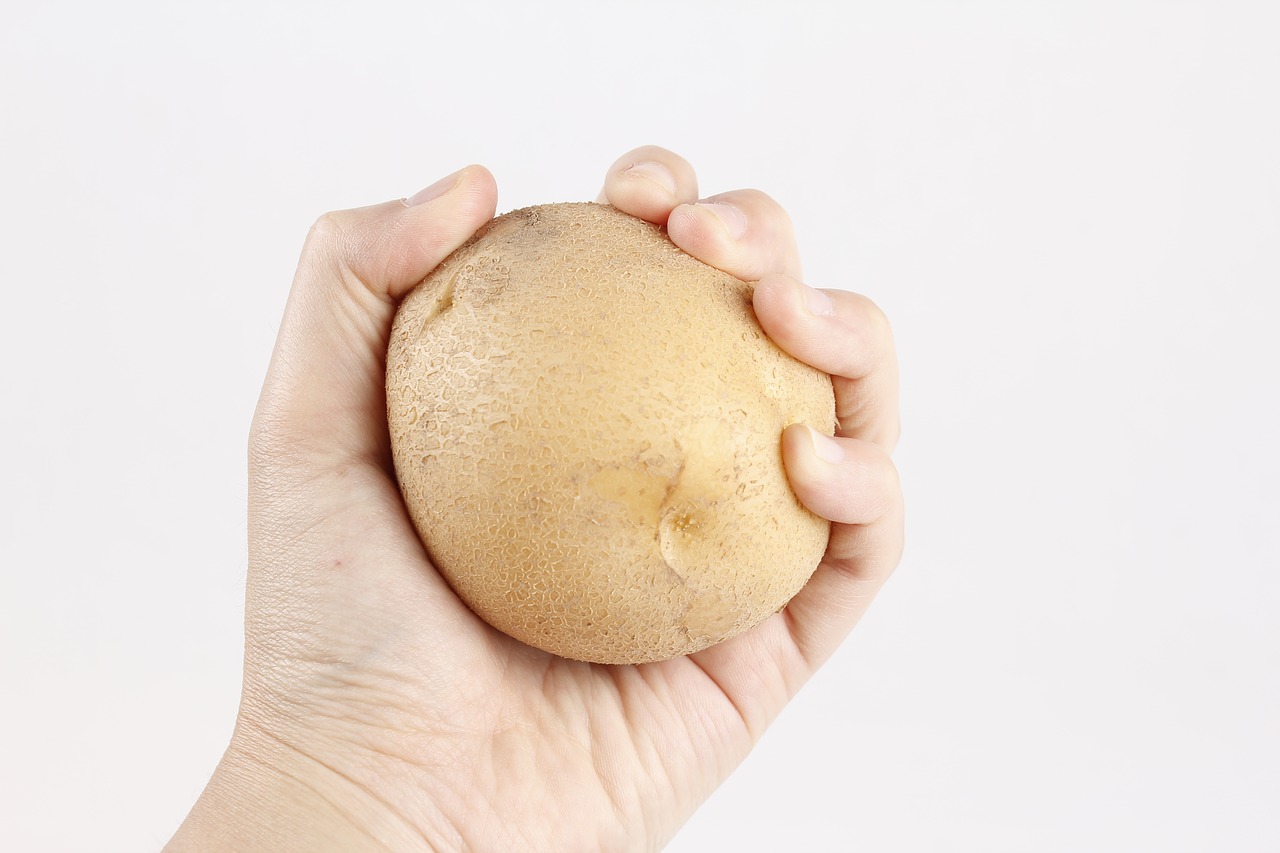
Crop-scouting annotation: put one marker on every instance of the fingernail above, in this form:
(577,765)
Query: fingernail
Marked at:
(653,171)
(434,191)
(733,219)
(818,302)
(825,448)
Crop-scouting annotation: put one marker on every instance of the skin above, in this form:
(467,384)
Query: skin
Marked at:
(378,712)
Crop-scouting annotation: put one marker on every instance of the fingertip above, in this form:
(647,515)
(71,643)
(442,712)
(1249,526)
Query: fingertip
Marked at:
(656,173)
(431,228)
(842,334)
(701,231)
(479,197)
(470,193)
(786,310)
(808,453)
(778,293)
(746,233)
(649,182)
(774,299)
(480,183)
(474,179)
(806,468)
(844,480)
(769,288)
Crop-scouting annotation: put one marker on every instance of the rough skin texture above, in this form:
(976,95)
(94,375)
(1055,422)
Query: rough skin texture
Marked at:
(585,422)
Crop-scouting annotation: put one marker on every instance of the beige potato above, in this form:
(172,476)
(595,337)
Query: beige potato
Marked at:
(586,428)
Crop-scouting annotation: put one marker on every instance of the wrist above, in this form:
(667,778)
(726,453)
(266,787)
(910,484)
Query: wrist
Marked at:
(269,795)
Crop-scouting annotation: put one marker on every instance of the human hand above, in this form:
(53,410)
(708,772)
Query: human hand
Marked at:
(378,712)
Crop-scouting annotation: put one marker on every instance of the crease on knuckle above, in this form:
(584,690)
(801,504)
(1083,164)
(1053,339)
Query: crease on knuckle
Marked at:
(338,253)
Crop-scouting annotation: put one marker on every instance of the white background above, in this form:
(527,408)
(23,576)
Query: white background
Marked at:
(1071,212)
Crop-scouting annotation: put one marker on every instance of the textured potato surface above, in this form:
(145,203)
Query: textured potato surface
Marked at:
(586,428)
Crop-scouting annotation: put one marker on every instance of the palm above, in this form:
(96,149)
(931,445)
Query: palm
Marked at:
(627,745)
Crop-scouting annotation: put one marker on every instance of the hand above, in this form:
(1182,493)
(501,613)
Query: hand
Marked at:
(378,712)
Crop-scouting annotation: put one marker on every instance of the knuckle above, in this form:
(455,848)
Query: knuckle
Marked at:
(890,435)
(762,210)
(327,243)
(757,197)
(329,234)
(869,342)
(337,242)
(340,251)
(878,488)
(871,316)
(770,207)
(890,479)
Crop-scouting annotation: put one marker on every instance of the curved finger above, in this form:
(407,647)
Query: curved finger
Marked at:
(843,334)
(844,480)
(855,484)
(744,232)
(649,182)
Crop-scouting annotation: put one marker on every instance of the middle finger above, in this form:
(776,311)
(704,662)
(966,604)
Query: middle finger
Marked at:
(744,232)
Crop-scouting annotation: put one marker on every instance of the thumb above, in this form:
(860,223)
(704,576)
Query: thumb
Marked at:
(323,403)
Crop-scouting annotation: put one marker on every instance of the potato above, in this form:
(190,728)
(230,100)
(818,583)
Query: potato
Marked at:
(586,428)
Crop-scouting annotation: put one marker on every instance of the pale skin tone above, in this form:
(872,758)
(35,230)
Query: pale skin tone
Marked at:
(378,712)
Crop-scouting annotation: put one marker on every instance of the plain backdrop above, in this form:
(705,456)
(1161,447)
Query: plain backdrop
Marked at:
(1070,212)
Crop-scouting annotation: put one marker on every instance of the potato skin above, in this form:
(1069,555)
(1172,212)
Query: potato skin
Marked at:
(586,427)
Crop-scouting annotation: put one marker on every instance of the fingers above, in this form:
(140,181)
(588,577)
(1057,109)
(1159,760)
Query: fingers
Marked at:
(323,397)
(849,479)
(649,182)
(843,334)
(745,232)
(845,480)
(748,234)
(855,484)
